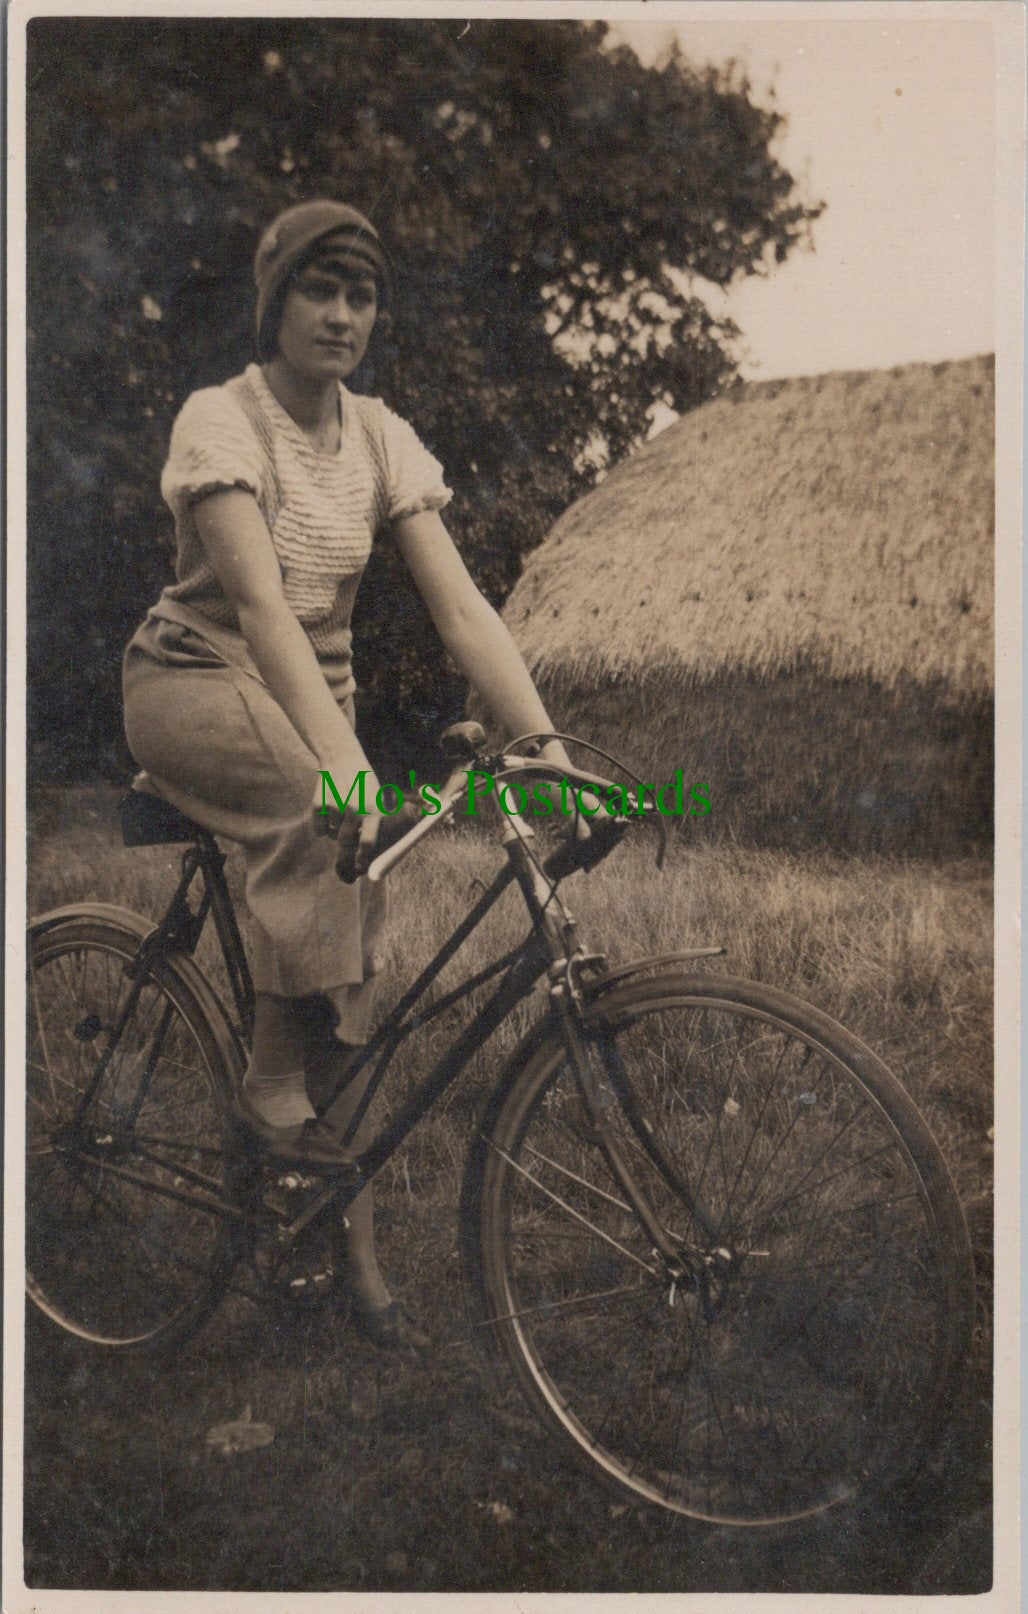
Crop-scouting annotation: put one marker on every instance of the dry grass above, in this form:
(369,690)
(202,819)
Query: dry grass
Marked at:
(898,950)
(843,520)
(802,760)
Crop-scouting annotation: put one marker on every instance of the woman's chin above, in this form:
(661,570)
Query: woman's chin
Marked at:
(323,367)
(331,370)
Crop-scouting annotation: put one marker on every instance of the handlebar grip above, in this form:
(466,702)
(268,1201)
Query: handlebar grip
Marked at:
(393,854)
(354,855)
(417,825)
(603,836)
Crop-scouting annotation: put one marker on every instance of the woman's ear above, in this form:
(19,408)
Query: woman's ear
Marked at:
(267,339)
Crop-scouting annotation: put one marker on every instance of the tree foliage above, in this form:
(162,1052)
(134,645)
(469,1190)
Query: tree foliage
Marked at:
(550,202)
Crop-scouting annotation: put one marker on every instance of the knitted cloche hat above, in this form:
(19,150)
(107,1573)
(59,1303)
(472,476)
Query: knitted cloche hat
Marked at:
(290,237)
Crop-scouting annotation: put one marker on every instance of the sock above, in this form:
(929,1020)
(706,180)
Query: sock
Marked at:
(325,1065)
(281,1099)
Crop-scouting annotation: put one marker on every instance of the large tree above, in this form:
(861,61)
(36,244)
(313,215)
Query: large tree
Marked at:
(550,201)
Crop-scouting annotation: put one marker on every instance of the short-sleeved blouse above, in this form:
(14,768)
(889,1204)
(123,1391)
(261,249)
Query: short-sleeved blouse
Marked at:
(322,510)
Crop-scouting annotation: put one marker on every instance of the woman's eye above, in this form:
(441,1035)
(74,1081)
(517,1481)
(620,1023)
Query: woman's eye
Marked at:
(317,289)
(326,291)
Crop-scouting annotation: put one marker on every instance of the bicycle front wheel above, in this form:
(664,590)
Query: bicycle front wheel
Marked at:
(127,1143)
(803,1346)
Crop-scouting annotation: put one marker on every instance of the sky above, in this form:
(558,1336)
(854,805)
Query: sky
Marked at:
(891,124)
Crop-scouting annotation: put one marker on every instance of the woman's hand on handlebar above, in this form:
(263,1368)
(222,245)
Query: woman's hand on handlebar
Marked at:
(355,835)
(361,836)
(557,756)
(357,844)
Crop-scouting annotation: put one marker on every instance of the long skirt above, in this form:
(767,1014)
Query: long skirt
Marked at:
(220,748)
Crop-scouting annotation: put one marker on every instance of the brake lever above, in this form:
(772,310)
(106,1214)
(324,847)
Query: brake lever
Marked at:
(647,809)
(529,746)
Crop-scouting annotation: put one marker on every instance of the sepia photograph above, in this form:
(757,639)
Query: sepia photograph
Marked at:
(506,519)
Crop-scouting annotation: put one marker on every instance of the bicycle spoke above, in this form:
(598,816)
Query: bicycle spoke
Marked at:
(784,1139)
(589,1298)
(47,1062)
(758,1120)
(855,1165)
(593,1189)
(686,1374)
(578,1217)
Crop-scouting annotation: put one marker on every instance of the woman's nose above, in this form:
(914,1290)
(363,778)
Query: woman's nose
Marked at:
(339,313)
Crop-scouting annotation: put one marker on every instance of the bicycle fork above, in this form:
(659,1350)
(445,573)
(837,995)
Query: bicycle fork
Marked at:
(685,1268)
(596,1094)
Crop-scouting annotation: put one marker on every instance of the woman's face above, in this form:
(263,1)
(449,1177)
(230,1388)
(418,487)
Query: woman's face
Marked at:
(327,320)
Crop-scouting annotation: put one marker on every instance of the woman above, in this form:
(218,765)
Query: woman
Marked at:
(238,686)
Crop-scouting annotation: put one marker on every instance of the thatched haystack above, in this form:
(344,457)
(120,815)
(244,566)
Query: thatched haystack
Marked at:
(791,589)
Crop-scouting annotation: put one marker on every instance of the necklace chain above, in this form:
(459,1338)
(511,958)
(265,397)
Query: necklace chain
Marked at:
(326,438)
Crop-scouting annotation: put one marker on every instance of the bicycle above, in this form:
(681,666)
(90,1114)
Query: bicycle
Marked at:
(703,1227)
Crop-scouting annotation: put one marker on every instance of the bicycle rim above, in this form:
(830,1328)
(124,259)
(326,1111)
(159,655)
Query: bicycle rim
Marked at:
(808,1352)
(113,1254)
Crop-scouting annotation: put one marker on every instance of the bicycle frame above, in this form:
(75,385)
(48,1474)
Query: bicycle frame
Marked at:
(551,948)
(179,931)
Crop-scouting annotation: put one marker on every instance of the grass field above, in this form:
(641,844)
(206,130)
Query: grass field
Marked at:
(414,1474)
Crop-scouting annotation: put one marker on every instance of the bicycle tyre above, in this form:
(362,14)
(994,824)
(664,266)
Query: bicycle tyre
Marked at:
(816,1360)
(117,1262)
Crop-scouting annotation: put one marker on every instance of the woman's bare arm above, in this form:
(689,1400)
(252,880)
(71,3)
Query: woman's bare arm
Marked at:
(470,629)
(238,545)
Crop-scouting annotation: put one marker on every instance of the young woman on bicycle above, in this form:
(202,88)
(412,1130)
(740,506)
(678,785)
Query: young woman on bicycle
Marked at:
(238,685)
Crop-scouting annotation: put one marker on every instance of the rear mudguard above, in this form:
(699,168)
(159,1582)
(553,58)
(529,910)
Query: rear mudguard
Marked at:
(92,910)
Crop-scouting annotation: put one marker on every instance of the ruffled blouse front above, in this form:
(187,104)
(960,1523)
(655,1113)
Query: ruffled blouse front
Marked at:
(322,510)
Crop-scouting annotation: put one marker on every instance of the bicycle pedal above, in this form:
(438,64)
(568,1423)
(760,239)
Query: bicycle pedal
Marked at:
(293,1182)
(306,1271)
(308,1286)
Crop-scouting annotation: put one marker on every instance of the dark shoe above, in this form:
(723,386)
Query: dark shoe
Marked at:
(389,1327)
(309,1143)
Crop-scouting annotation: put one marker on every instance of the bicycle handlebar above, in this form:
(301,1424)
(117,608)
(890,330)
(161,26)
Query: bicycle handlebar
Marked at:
(448,796)
(603,835)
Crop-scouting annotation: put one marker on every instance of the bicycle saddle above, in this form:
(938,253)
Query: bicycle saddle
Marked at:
(147,819)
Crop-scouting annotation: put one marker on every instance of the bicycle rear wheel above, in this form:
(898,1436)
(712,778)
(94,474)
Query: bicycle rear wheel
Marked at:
(126,1136)
(809,1351)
